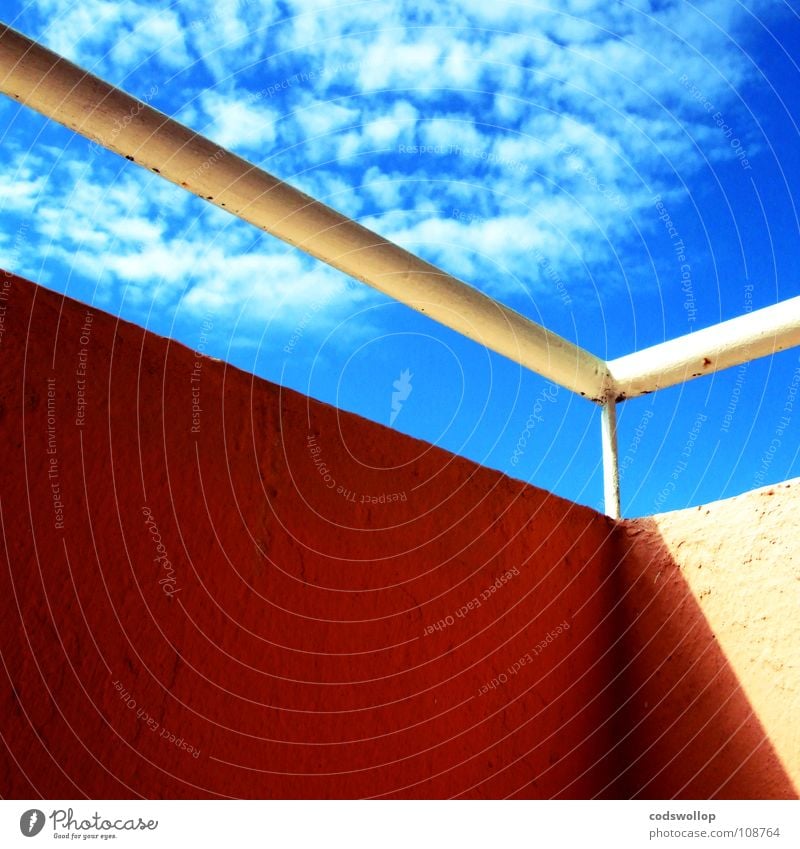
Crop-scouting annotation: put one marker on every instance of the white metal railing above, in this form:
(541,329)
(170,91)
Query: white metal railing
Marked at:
(60,90)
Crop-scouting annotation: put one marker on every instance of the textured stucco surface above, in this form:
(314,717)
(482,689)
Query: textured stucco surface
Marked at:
(712,596)
(290,646)
(281,641)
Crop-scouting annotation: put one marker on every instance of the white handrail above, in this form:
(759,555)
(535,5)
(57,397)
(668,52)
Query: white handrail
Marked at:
(50,84)
(724,345)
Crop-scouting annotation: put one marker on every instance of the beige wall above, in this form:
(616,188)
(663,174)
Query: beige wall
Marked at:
(712,603)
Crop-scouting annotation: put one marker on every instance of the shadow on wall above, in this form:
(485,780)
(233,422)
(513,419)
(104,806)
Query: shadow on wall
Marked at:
(687,728)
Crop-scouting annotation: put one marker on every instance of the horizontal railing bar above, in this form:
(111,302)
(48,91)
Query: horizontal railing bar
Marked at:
(53,86)
(730,343)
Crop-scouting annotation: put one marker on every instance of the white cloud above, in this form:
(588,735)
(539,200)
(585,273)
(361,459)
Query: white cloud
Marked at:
(21,189)
(131,233)
(392,63)
(269,287)
(160,36)
(235,123)
(228,35)
(452,131)
(385,189)
(390,126)
(113,36)
(462,241)
(318,117)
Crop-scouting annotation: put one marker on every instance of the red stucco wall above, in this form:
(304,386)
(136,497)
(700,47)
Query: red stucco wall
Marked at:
(279,647)
(241,599)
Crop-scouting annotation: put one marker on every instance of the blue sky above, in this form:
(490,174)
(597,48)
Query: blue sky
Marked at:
(622,173)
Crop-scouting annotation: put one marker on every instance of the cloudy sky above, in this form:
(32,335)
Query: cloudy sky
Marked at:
(622,172)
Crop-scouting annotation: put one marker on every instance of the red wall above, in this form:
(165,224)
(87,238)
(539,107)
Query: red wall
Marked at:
(285,638)
(281,641)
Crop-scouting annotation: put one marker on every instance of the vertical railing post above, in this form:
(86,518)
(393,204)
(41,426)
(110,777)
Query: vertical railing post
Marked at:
(608,431)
